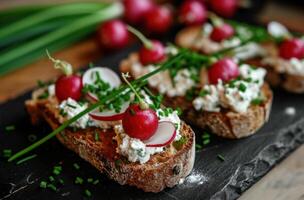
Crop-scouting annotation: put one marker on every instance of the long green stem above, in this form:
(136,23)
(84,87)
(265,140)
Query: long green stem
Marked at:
(110,12)
(45,15)
(146,42)
(165,66)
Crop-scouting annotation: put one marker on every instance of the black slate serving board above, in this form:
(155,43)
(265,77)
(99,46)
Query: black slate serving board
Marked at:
(246,160)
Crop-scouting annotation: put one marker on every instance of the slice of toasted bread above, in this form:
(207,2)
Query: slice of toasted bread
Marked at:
(163,170)
(225,123)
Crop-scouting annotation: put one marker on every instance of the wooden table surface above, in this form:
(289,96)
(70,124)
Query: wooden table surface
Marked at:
(285,181)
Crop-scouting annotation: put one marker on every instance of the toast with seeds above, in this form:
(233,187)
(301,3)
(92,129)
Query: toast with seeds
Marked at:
(164,169)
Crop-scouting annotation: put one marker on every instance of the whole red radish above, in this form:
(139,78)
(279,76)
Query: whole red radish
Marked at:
(225,8)
(153,51)
(192,13)
(113,34)
(140,123)
(68,85)
(152,54)
(225,69)
(158,20)
(292,48)
(222,32)
(134,10)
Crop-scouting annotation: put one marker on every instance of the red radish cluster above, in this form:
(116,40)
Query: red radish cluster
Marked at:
(225,8)
(192,13)
(113,34)
(222,32)
(292,48)
(140,123)
(225,69)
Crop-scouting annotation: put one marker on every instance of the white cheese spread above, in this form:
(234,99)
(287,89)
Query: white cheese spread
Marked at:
(163,82)
(71,108)
(237,97)
(293,66)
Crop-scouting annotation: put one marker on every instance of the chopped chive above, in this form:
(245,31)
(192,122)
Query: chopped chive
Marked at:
(51,178)
(242,87)
(88,193)
(57,170)
(91,65)
(43,184)
(41,84)
(62,113)
(96,182)
(76,166)
(219,156)
(206,135)
(44,95)
(71,106)
(78,180)
(61,181)
(26,159)
(206,141)
(257,101)
(10,128)
(52,186)
(7,153)
(198,146)
(96,136)
(90,180)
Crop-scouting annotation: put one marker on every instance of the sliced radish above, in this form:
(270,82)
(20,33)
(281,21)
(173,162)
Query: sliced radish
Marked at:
(106,74)
(163,136)
(109,115)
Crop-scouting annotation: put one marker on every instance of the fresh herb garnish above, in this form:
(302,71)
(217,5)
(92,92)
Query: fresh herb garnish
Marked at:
(71,106)
(203,93)
(7,153)
(88,193)
(198,146)
(96,135)
(76,166)
(78,180)
(10,128)
(26,159)
(219,156)
(257,101)
(52,187)
(44,95)
(57,170)
(96,182)
(43,184)
(242,87)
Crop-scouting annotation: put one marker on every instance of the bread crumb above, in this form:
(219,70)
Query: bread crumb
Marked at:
(290,111)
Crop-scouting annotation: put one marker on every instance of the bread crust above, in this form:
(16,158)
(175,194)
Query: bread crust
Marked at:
(226,123)
(163,170)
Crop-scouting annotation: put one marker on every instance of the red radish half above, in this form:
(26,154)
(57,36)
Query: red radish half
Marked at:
(109,115)
(163,136)
(106,74)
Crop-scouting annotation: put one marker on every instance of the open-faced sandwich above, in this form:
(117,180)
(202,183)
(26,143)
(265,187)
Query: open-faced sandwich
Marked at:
(219,35)
(284,59)
(131,137)
(230,99)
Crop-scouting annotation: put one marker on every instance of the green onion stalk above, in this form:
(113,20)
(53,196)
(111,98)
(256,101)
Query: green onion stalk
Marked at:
(84,25)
